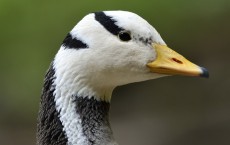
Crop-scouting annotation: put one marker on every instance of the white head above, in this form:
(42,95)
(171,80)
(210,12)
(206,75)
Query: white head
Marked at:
(113,48)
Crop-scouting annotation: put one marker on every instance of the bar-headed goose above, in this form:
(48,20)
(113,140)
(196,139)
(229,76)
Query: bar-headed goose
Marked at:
(104,50)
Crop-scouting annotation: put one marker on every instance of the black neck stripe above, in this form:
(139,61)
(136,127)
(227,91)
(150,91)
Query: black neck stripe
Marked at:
(49,128)
(73,43)
(94,115)
(107,22)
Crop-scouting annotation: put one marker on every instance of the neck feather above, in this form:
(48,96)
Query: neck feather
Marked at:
(94,116)
(66,118)
(49,127)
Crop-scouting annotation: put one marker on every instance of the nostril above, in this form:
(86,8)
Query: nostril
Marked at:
(177,61)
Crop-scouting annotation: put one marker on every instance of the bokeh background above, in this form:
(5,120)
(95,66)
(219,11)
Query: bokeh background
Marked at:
(168,111)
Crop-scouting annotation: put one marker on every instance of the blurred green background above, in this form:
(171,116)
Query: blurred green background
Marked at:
(169,111)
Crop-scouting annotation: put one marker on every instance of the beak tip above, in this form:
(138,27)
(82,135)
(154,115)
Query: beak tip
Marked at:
(204,72)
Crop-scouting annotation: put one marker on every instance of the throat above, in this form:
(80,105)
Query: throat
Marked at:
(94,116)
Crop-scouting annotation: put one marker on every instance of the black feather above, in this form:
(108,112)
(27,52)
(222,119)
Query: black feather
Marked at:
(73,43)
(108,23)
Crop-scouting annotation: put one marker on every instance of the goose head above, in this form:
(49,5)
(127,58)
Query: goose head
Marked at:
(104,50)
(113,48)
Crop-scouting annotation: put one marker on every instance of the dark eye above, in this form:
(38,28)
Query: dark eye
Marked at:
(124,36)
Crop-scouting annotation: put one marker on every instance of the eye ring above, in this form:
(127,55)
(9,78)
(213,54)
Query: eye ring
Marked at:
(124,36)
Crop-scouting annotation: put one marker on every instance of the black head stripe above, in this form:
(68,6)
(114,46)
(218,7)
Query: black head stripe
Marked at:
(108,23)
(73,43)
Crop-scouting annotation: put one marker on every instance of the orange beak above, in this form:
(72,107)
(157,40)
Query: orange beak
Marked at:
(170,62)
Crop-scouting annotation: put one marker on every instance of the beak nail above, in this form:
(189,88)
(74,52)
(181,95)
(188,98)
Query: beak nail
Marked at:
(204,73)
